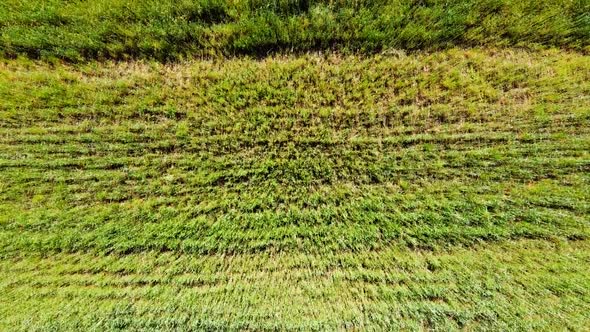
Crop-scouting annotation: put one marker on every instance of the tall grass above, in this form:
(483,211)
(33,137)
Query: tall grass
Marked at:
(294,154)
(169,30)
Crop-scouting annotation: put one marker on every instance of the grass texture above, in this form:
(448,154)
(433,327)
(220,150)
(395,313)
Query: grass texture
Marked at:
(436,190)
(517,286)
(171,30)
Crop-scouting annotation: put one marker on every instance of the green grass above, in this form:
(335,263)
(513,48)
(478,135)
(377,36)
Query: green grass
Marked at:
(307,154)
(523,285)
(445,190)
(172,30)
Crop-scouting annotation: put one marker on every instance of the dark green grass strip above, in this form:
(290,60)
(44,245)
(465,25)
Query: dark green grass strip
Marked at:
(172,30)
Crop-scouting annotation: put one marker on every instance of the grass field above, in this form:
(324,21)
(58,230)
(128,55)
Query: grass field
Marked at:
(175,29)
(427,190)
(294,165)
(533,285)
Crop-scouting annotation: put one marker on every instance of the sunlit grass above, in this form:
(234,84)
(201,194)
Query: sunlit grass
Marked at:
(172,30)
(441,190)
